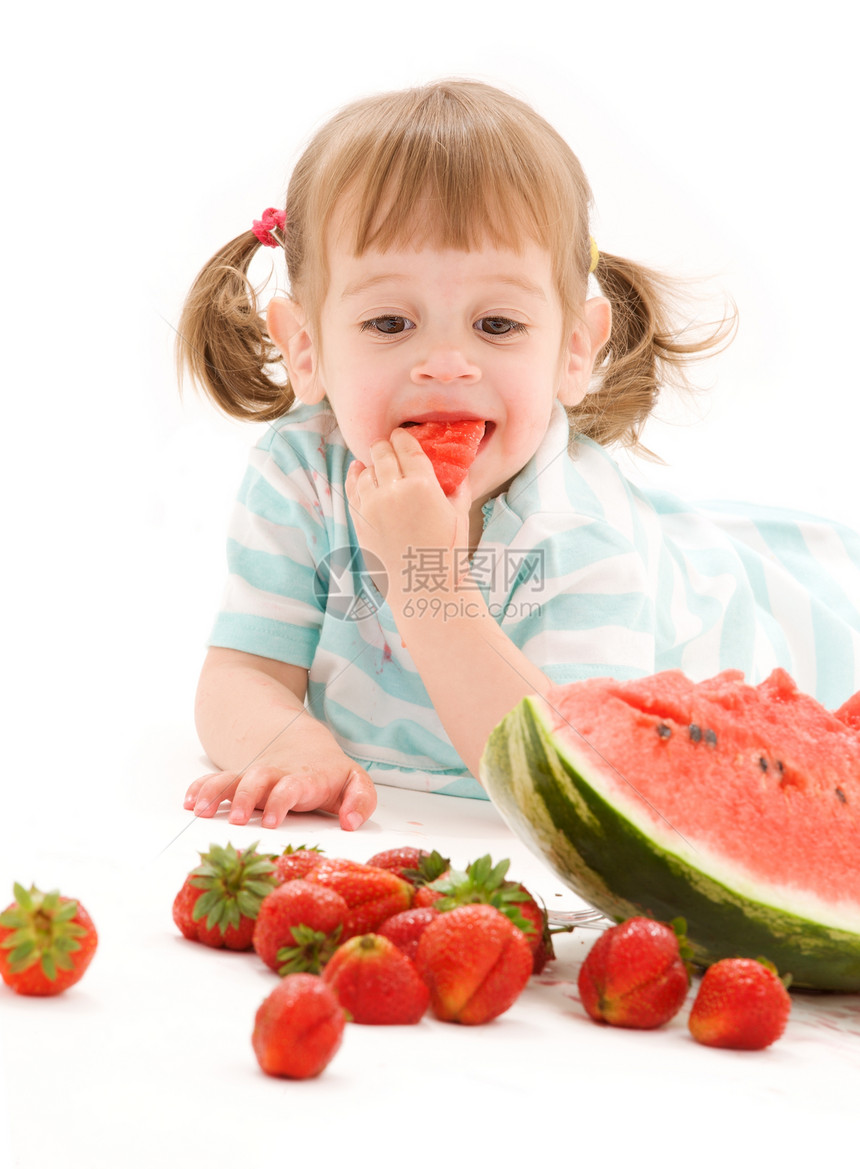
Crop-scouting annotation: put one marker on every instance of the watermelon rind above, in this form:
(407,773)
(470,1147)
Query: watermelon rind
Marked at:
(553,798)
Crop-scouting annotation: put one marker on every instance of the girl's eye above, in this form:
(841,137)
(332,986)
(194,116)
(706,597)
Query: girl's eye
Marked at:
(499,326)
(390,326)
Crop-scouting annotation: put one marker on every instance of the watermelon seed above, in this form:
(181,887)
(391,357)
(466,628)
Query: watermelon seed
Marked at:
(664,731)
(711,737)
(762,762)
(779,766)
(695,733)
(841,794)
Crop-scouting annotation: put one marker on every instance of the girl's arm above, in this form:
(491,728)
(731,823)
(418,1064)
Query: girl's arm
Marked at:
(472,671)
(272,753)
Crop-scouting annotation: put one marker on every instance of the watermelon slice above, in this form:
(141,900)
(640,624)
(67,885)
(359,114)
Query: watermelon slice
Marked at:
(733,806)
(451,447)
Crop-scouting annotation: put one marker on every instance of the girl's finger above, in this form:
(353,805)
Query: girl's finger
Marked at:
(251,792)
(386,465)
(282,799)
(411,455)
(358,800)
(214,789)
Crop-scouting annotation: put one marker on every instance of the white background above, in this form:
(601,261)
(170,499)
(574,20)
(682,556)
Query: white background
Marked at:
(719,139)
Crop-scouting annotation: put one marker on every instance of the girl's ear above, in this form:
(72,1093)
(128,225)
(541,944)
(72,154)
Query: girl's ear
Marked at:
(288,328)
(586,341)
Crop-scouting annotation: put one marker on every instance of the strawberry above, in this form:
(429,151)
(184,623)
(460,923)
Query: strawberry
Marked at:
(475,962)
(375,982)
(298,1028)
(634,975)
(298,927)
(483,883)
(296,862)
(426,895)
(405,929)
(46,942)
(741,1004)
(371,894)
(415,865)
(220,899)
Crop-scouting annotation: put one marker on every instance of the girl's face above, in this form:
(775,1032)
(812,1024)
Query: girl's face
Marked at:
(414,335)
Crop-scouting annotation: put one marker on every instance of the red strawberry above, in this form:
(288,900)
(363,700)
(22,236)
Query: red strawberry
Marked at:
(375,982)
(46,942)
(426,895)
(371,894)
(296,862)
(634,975)
(483,883)
(219,901)
(405,929)
(298,927)
(475,961)
(741,1004)
(398,859)
(298,1028)
(415,865)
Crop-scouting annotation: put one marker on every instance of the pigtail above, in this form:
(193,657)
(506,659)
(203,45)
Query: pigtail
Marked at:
(222,340)
(647,349)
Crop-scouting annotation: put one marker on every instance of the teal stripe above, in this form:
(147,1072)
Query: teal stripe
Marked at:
(467,788)
(754,568)
(789,545)
(579,611)
(272,573)
(834,658)
(413,742)
(561,673)
(263,636)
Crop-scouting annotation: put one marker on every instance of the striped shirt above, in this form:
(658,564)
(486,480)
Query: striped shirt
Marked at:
(588,574)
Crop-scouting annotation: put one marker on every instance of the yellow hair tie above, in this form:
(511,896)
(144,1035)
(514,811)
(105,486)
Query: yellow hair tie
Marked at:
(595,254)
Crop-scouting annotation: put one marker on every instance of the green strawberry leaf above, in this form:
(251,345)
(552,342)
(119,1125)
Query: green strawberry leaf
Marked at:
(430,868)
(23,897)
(312,950)
(66,912)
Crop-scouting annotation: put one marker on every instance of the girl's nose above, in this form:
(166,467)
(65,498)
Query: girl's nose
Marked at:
(444,364)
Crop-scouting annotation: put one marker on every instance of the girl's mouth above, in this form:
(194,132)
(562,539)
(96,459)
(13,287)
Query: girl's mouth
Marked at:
(489,427)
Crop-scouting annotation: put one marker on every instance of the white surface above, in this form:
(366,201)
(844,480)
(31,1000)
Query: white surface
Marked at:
(148,1059)
(718,140)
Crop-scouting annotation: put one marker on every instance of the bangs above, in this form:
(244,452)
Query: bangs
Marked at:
(454,165)
(453,190)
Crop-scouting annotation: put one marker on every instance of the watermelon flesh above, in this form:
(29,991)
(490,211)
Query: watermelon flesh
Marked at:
(736,807)
(451,447)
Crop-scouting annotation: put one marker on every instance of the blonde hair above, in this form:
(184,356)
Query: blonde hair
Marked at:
(488,169)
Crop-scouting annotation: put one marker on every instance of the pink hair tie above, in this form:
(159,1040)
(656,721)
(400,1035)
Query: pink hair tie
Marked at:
(272,220)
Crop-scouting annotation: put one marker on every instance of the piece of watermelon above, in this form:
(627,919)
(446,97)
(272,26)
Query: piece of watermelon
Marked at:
(733,806)
(451,447)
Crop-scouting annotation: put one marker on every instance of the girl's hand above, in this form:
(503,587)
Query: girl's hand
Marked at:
(336,785)
(398,505)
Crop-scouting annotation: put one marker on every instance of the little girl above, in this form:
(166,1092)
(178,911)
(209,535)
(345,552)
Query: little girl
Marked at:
(374,628)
